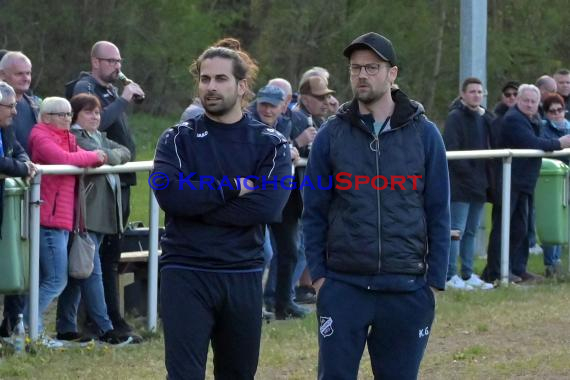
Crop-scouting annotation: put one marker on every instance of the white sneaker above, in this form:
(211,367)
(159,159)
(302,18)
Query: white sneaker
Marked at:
(51,343)
(456,282)
(476,282)
(535,250)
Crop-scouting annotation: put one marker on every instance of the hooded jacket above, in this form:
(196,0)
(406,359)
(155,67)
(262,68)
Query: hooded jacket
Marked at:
(386,239)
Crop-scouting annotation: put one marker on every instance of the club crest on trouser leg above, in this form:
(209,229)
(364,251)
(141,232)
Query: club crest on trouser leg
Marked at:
(325,327)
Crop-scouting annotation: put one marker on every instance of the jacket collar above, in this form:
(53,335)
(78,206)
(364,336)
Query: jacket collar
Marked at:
(404,112)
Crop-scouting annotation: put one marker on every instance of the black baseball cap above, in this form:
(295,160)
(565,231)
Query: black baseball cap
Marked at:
(511,84)
(375,42)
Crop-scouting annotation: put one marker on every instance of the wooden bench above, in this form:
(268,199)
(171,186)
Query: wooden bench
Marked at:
(136,256)
(132,268)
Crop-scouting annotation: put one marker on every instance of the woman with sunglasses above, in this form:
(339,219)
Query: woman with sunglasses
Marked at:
(51,143)
(554,126)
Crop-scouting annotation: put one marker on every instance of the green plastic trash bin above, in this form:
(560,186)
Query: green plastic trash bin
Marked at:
(14,244)
(551,202)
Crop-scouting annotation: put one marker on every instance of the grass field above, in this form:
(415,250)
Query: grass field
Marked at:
(509,333)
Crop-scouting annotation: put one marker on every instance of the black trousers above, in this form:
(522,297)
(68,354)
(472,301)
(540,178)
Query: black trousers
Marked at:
(518,240)
(286,236)
(202,307)
(110,253)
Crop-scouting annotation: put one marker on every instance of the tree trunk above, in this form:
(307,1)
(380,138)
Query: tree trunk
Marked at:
(438,53)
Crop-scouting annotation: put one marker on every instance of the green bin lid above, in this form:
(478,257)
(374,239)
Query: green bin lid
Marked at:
(552,167)
(14,186)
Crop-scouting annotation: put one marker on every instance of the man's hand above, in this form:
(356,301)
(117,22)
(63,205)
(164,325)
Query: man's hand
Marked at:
(245,185)
(294,154)
(565,141)
(32,169)
(333,104)
(130,90)
(306,137)
(318,284)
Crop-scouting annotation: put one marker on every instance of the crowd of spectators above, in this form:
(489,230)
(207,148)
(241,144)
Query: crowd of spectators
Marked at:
(90,128)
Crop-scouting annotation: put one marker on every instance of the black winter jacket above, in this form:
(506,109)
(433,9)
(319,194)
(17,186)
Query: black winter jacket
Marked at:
(466,129)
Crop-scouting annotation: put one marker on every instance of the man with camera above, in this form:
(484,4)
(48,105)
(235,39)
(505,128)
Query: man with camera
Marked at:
(106,64)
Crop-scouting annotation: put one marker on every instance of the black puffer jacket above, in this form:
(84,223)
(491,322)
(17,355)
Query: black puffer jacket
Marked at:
(368,231)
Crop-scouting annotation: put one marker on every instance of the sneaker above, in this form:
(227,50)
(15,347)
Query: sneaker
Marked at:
(72,336)
(535,250)
(531,278)
(115,338)
(305,295)
(51,343)
(291,310)
(267,315)
(122,326)
(475,282)
(457,283)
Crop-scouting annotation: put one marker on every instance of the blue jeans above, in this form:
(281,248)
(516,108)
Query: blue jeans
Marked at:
(91,289)
(53,270)
(465,217)
(552,254)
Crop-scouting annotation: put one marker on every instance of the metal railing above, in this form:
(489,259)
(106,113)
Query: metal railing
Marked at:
(35,236)
(505,154)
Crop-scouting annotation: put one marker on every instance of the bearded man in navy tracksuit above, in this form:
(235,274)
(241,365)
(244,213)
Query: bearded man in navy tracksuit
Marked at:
(376,252)
(212,260)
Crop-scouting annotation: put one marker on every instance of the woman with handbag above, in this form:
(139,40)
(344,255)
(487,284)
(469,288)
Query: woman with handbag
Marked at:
(101,196)
(51,143)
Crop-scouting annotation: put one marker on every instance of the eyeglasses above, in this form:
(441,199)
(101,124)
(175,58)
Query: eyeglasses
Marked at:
(556,110)
(11,106)
(111,61)
(61,114)
(370,68)
(512,94)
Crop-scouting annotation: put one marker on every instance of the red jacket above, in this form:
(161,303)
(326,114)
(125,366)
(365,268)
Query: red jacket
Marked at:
(50,145)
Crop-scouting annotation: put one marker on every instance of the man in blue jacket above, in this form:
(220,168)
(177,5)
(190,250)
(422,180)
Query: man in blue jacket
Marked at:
(520,129)
(377,240)
(219,178)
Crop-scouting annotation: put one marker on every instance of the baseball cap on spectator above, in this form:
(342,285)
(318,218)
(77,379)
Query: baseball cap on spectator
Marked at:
(315,85)
(375,42)
(511,84)
(270,94)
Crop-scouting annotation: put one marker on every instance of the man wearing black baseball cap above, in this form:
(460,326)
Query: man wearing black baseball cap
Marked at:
(378,248)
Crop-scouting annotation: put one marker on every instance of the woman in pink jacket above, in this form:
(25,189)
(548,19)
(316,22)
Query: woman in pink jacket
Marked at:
(51,143)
